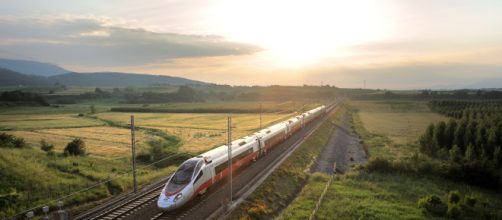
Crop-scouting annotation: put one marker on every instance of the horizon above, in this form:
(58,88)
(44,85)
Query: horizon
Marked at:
(401,45)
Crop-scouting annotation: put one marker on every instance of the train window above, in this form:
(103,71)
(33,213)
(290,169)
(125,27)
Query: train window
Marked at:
(221,167)
(184,173)
(198,177)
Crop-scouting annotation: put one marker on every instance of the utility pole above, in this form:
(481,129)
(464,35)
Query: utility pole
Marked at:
(260,115)
(133,145)
(230,157)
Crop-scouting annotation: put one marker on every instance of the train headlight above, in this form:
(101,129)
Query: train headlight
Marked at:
(177,197)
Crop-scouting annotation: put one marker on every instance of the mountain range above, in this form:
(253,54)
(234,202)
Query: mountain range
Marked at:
(32,73)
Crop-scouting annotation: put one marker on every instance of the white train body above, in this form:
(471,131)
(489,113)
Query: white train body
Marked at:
(197,174)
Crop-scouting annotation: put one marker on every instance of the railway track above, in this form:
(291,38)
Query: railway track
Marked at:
(211,205)
(126,204)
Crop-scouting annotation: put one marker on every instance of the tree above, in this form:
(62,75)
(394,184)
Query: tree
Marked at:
(427,143)
(439,134)
(450,133)
(186,93)
(497,156)
(46,146)
(469,153)
(491,141)
(455,154)
(75,148)
(92,109)
(460,134)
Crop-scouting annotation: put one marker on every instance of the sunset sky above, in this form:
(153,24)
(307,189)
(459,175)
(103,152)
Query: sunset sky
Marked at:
(401,44)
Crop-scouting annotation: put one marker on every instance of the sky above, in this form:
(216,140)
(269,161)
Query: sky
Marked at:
(392,44)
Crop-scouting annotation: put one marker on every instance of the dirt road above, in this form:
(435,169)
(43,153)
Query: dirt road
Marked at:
(343,149)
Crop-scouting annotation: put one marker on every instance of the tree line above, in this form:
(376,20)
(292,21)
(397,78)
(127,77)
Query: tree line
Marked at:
(474,131)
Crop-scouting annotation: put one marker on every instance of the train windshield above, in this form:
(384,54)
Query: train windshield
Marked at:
(183,175)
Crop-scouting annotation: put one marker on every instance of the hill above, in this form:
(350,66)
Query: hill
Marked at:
(32,67)
(118,79)
(11,78)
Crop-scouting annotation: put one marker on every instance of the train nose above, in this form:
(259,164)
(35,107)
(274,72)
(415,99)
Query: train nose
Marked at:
(166,203)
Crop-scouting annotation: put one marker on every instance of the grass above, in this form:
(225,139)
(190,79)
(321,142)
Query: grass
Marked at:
(198,132)
(373,195)
(276,192)
(401,121)
(102,141)
(389,196)
(38,178)
(44,121)
(301,207)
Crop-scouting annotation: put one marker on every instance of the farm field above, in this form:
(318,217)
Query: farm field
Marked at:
(198,132)
(35,177)
(401,121)
(44,121)
(101,141)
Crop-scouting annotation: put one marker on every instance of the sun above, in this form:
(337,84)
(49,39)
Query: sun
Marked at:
(299,33)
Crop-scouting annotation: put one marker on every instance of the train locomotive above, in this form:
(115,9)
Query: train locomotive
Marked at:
(194,176)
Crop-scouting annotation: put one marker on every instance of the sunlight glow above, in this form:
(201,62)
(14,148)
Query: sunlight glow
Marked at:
(299,33)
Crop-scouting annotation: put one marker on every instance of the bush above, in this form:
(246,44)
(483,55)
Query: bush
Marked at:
(46,146)
(114,188)
(379,164)
(432,204)
(470,201)
(453,197)
(75,148)
(454,211)
(7,140)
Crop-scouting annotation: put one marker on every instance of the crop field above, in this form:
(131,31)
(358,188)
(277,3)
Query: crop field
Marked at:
(255,106)
(401,121)
(198,132)
(36,176)
(102,141)
(44,121)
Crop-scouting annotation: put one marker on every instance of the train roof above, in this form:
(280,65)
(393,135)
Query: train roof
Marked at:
(223,150)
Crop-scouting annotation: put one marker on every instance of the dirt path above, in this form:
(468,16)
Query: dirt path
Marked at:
(343,148)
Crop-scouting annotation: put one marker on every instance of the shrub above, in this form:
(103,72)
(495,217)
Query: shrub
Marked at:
(432,204)
(470,201)
(453,197)
(454,211)
(379,164)
(46,146)
(75,148)
(19,143)
(113,187)
(7,140)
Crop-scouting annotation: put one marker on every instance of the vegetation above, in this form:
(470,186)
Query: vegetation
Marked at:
(19,97)
(287,180)
(75,148)
(471,140)
(46,146)
(399,181)
(9,141)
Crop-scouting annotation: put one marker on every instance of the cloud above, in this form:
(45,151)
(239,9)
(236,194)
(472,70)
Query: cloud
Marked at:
(103,42)
(410,76)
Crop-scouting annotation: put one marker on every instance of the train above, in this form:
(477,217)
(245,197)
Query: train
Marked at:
(194,176)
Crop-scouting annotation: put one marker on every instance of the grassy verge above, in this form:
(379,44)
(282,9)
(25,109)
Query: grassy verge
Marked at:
(305,202)
(283,184)
(388,194)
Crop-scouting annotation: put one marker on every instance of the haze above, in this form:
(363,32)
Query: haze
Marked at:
(387,44)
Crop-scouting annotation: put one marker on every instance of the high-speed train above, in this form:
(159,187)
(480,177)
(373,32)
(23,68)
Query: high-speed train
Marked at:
(197,174)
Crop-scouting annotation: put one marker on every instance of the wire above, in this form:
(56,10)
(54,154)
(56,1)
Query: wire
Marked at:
(94,186)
